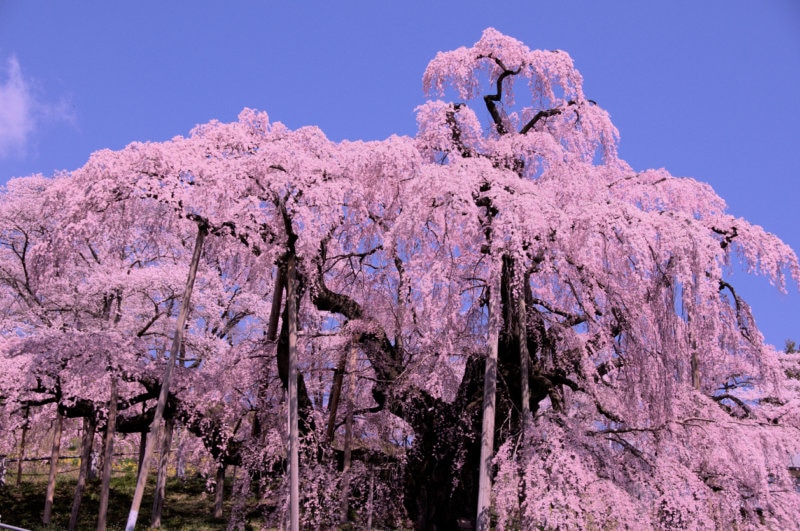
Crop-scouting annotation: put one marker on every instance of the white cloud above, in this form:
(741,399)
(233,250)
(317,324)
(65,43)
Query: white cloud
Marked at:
(22,112)
(16,113)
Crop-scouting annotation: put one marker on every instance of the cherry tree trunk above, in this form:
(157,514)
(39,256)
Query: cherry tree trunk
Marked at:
(89,425)
(108,457)
(161,482)
(441,481)
(51,479)
(440,452)
(294,456)
(219,491)
(162,396)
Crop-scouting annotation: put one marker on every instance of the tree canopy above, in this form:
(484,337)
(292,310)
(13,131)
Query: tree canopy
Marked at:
(633,388)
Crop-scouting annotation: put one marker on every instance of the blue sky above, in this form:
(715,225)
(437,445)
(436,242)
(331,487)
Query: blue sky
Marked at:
(708,89)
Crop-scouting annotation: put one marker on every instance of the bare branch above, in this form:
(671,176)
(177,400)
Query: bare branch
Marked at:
(491,99)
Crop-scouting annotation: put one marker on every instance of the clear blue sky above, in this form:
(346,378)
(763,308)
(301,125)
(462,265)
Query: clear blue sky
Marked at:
(708,89)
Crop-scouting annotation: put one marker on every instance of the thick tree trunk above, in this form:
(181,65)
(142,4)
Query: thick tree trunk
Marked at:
(108,457)
(348,435)
(51,480)
(441,481)
(161,482)
(219,491)
(487,431)
(294,456)
(441,475)
(177,341)
(89,425)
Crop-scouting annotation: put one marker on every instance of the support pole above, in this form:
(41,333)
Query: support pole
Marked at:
(294,456)
(177,340)
(487,430)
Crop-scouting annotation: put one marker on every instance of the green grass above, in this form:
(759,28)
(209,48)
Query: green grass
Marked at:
(188,507)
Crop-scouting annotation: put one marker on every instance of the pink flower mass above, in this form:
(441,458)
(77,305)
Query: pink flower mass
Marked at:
(631,387)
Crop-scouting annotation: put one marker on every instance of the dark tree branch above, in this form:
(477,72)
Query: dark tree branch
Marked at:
(492,99)
(546,113)
(385,358)
(727,235)
(538,116)
(570,319)
(719,399)
(455,131)
(743,317)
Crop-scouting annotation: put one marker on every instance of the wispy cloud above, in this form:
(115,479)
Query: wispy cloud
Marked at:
(16,116)
(22,112)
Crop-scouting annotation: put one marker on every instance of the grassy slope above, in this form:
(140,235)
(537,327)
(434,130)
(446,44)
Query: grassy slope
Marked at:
(187,507)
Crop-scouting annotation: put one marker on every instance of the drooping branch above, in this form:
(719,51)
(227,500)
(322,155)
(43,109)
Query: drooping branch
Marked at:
(743,316)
